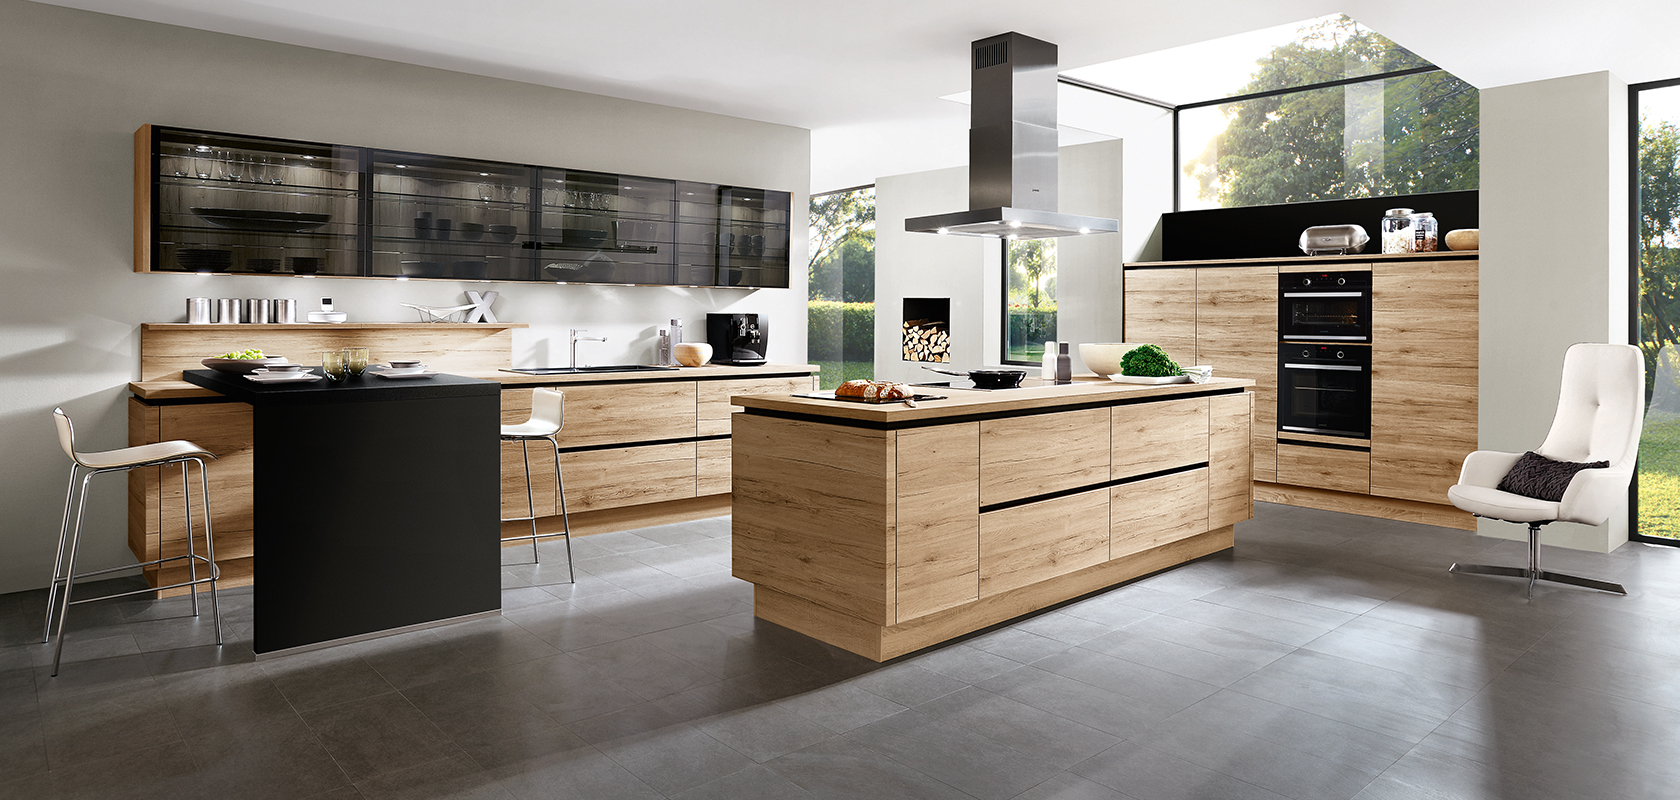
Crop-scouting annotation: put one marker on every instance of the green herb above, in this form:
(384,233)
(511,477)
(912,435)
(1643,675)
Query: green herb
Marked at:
(1148,361)
(243,355)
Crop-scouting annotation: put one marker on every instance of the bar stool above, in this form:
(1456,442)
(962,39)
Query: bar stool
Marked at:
(548,416)
(99,463)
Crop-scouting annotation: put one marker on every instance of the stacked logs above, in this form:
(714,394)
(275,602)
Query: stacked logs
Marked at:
(926,340)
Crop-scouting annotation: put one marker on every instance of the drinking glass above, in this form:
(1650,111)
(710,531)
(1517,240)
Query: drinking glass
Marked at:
(202,158)
(355,360)
(332,362)
(230,166)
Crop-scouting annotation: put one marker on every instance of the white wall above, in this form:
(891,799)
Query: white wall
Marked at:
(75,86)
(969,269)
(1554,217)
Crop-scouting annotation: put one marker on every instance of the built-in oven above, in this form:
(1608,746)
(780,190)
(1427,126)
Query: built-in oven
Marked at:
(1324,306)
(1325,389)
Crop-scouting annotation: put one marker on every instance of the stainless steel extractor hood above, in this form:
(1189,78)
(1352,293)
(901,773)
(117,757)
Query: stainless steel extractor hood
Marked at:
(1012,167)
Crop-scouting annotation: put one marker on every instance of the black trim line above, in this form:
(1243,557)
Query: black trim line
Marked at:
(1443,255)
(1325,445)
(1039,498)
(645,443)
(1238,98)
(929,422)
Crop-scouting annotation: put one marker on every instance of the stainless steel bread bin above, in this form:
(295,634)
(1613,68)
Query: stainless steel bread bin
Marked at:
(1339,239)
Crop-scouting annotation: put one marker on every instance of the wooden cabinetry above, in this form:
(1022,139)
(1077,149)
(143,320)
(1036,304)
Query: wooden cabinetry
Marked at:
(1032,543)
(1230,481)
(1156,511)
(1013,454)
(937,506)
(1237,333)
(157,528)
(1157,436)
(1343,468)
(714,409)
(602,414)
(1160,307)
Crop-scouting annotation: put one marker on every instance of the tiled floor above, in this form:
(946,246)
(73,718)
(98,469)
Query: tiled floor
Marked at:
(1329,657)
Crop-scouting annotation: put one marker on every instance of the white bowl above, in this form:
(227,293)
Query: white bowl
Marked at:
(395,370)
(1103,358)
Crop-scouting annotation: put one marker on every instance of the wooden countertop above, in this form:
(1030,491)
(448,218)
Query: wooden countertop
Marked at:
(182,390)
(1087,389)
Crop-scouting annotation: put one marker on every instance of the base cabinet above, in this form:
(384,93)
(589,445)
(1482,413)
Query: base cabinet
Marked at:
(1032,543)
(1326,466)
(1156,511)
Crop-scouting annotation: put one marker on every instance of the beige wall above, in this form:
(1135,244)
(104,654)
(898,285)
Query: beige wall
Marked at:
(75,86)
(1554,217)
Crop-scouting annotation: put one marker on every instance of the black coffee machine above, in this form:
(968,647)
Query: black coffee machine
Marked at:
(737,338)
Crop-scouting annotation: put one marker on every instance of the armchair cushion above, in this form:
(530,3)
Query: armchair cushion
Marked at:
(1494,504)
(1541,478)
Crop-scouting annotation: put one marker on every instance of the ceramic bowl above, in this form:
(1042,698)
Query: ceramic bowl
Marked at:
(240,366)
(692,354)
(1464,239)
(1103,358)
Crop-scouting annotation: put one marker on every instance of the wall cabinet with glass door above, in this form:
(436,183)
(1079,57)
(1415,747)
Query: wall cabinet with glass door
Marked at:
(231,204)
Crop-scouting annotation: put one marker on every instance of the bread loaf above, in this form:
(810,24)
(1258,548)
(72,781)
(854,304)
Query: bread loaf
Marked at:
(874,390)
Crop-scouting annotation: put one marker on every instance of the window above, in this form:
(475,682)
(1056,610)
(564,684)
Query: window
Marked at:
(1029,315)
(841,281)
(1656,273)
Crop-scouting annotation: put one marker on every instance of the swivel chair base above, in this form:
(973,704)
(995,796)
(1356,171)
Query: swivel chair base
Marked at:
(1533,572)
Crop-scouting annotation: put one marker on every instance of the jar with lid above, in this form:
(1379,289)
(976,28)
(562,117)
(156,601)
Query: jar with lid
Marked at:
(1397,234)
(1424,232)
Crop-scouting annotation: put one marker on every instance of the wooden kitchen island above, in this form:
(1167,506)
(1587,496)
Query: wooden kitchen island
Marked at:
(887,529)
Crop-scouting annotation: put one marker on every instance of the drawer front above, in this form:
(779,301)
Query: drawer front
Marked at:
(627,476)
(1325,467)
(937,509)
(1150,437)
(641,412)
(1029,456)
(1026,544)
(1231,476)
(712,467)
(714,408)
(1150,513)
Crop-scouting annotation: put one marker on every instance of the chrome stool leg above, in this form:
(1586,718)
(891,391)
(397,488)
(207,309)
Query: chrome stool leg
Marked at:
(530,504)
(58,561)
(209,550)
(70,572)
(565,520)
(192,560)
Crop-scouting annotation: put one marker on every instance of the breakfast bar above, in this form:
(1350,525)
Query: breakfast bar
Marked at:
(884,529)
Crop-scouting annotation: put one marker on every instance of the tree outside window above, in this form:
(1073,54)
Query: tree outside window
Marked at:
(841,284)
(1030,299)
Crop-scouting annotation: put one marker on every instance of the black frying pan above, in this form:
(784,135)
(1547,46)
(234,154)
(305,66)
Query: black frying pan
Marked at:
(987,378)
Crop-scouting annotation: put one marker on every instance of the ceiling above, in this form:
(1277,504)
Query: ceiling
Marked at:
(866,75)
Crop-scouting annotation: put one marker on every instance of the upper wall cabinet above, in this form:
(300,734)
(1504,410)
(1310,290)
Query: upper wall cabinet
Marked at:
(221,203)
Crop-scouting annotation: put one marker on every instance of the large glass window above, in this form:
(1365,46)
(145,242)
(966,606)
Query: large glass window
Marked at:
(1030,299)
(1656,110)
(841,334)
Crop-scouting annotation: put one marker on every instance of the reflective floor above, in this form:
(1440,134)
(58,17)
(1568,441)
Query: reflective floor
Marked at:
(1330,656)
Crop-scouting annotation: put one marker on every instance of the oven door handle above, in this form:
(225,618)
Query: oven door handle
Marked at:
(1335,367)
(1324,294)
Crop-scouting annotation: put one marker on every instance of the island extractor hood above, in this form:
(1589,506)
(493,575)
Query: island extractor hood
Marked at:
(1012,168)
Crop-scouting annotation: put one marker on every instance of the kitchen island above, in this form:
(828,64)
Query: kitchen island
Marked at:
(885,529)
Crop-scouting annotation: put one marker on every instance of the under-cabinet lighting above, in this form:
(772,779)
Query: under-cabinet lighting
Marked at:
(402,277)
(402,166)
(309,158)
(203,148)
(1084,230)
(483,174)
(944,231)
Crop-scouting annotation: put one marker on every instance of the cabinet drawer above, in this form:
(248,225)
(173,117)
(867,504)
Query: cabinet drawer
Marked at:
(714,408)
(1150,437)
(1150,513)
(712,467)
(1044,453)
(1027,544)
(620,414)
(937,509)
(627,476)
(1324,467)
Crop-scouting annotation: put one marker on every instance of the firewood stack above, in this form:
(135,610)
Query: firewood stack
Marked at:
(926,340)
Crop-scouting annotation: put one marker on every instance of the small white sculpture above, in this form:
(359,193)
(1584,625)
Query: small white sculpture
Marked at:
(476,310)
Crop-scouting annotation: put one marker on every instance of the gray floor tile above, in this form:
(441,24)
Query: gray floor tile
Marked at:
(583,773)
(564,688)
(491,724)
(154,773)
(1018,645)
(752,783)
(1075,700)
(841,707)
(907,684)
(1170,657)
(94,725)
(277,757)
(643,668)
(1426,772)
(1264,626)
(1149,774)
(324,678)
(378,734)
(457,778)
(1067,786)
(1036,733)
(842,769)
(764,732)
(965,663)
(1338,742)
(1157,692)
(675,759)
(1404,706)
(954,755)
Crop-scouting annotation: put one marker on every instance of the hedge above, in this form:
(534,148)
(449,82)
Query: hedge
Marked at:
(1032,326)
(855,324)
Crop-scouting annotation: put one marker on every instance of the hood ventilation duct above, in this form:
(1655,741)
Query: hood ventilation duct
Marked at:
(1012,169)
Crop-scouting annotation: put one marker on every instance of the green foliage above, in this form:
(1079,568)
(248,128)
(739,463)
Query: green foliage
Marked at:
(840,331)
(1659,241)
(849,273)
(1029,329)
(1148,361)
(835,373)
(1032,272)
(838,216)
(1659,476)
(1418,133)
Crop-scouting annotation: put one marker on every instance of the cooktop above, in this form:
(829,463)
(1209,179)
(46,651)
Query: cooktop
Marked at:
(1026,383)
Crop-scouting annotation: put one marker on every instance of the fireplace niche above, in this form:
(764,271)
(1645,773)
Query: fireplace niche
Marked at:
(926,334)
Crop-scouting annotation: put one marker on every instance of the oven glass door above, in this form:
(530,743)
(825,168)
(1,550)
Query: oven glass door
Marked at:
(1333,316)
(1331,399)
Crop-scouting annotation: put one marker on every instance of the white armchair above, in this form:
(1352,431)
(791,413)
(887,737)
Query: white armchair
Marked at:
(1600,413)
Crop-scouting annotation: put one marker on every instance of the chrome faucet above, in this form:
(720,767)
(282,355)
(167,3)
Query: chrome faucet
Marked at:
(576,338)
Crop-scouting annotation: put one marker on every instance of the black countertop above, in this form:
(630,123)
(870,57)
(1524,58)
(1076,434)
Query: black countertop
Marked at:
(361,389)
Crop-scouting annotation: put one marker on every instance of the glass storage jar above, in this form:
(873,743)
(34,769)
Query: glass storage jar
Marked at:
(1397,235)
(1424,232)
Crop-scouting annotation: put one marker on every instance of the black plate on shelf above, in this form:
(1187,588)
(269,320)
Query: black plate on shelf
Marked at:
(261,220)
(204,259)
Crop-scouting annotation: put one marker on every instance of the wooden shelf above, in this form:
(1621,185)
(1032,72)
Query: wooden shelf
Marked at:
(317,326)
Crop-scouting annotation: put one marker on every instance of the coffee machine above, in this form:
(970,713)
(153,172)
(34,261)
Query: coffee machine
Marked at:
(739,339)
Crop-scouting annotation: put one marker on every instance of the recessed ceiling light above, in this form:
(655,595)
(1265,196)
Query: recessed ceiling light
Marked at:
(1014,223)
(944,231)
(1084,230)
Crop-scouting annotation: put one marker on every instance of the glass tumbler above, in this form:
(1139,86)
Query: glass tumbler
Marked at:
(355,360)
(332,362)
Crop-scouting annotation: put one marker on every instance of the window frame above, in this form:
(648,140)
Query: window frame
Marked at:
(1633,281)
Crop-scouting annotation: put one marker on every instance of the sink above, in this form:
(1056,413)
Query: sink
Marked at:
(588,370)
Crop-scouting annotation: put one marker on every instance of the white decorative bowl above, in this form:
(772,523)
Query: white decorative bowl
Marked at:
(692,354)
(1103,358)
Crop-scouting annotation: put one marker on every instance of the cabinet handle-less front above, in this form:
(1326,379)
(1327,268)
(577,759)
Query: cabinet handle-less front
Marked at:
(1336,367)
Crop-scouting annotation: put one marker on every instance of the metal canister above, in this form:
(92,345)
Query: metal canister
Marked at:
(259,310)
(285,310)
(228,310)
(200,311)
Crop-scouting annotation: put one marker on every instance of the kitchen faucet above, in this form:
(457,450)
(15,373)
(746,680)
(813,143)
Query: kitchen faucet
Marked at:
(576,338)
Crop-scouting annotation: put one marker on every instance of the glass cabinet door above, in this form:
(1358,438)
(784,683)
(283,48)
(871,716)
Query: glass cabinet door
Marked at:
(235,204)
(434,217)
(753,237)
(604,228)
(697,233)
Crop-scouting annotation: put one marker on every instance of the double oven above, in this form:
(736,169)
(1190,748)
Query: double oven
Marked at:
(1324,356)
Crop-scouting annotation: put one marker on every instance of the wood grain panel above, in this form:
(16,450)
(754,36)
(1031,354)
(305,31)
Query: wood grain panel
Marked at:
(1237,334)
(1297,436)
(641,412)
(714,408)
(937,513)
(1150,437)
(1423,376)
(1043,453)
(712,471)
(623,476)
(1445,516)
(516,408)
(1230,478)
(144,515)
(1160,308)
(1154,512)
(166,349)
(1325,468)
(143,199)
(813,513)
(1035,542)
(223,429)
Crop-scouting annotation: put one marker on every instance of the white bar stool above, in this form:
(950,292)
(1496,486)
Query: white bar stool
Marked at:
(98,463)
(548,416)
